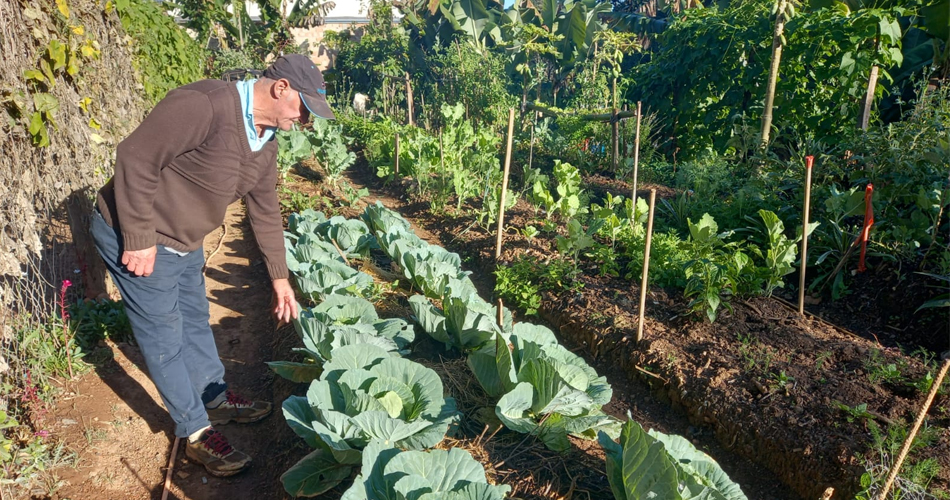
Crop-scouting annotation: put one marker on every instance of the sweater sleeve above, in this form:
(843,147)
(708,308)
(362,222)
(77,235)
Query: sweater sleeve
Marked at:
(263,210)
(179,123)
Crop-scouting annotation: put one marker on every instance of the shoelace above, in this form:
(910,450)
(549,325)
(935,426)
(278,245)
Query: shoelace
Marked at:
(235,400)
(217,443)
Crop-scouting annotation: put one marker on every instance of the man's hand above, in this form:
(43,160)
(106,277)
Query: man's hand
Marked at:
(286,303)
(139,262)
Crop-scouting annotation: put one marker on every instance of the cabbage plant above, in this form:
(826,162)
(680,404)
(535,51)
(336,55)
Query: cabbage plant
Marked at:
(391,474)
(381,219)
(321,334)
(457,326)
(364,393)
(656,465)
(545,389)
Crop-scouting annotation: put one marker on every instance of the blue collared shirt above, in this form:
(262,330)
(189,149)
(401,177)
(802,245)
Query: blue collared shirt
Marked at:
(246,91)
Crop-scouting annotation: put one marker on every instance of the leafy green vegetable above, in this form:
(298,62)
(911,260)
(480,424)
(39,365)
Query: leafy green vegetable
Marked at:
(655,465)
(391,474)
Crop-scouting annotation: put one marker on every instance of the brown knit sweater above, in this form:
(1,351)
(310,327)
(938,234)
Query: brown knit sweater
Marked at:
(176,174)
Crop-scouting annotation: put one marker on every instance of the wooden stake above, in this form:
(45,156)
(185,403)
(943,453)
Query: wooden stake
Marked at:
(636,159)
(171,466)
(504,184)
(809,161)
(501,314)
(615,129)
(396,147)
(895,469)
(646,266)
(409,99)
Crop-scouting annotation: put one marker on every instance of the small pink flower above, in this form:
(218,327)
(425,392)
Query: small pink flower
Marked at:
(42,434)
(67,283)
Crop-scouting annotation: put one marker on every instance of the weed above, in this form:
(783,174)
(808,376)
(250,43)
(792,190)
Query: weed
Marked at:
(782,380)
(881,372)
(915,476)
(522,282)
(292,201)
(821,358)
(95,320)
(351,195)
(94,434)
(853,414)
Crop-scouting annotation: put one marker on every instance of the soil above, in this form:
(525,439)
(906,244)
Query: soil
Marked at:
(114,420)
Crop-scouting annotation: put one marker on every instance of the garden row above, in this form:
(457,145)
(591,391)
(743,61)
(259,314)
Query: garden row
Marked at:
(818,406)
(369,405)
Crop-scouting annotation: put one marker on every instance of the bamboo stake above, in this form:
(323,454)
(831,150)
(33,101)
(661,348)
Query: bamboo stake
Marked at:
(409,98)
(809,161)
(171,466)
(646,266)
(501,314)
(396,147)
(615,129)
(636,160)
(504,184)
(895,469)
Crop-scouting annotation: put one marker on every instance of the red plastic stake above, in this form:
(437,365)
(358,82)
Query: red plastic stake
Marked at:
(868,222)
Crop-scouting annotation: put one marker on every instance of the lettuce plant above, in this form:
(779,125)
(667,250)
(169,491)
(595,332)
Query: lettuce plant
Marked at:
(391,474)
(656,465)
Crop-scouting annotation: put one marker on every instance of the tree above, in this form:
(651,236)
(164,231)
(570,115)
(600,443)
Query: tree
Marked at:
(783,10)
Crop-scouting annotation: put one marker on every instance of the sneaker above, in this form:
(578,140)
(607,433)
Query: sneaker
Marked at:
(213,451)
(234,408)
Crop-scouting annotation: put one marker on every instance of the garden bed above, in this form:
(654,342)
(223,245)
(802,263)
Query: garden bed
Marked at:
(798,396)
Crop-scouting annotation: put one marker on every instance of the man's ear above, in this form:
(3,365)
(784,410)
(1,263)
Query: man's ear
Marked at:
(280,87)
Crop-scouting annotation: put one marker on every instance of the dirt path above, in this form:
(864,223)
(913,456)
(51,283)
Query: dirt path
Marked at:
(122,434)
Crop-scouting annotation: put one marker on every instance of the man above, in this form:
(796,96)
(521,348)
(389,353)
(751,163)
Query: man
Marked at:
(203,147)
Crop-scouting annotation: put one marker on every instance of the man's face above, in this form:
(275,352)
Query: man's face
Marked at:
(291,110)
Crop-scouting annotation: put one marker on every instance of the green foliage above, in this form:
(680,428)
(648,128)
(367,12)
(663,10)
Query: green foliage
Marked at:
(915,477)
(545,390)
(293,146)
(390,473)
(325,142)
(259,39)
(364,394)
(656,465)
(713,102)
(63,50)
(460,74)
(522,282)
(95,320)
(165,56)
(331,148)
(228,59)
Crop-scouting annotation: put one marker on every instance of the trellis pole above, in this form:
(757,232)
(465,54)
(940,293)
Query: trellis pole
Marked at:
(409,98)
(809,161)
(636,161)
(646,266)
(396,154)
(615,129)
(504,185)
